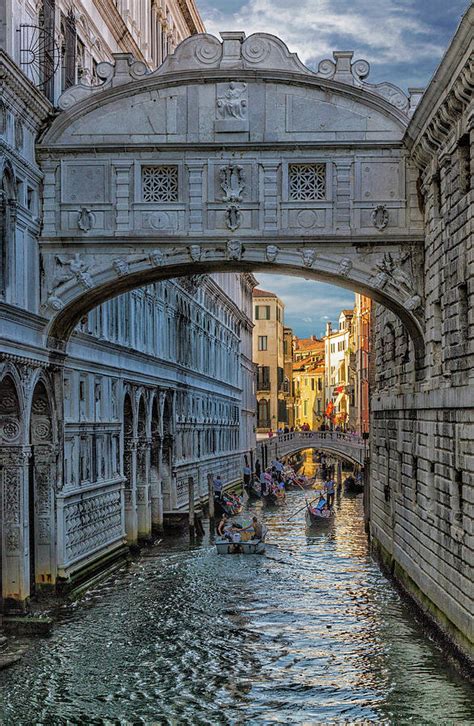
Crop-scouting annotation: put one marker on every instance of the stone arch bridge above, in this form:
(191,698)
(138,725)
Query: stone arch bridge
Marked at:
(232,156)
(349,447)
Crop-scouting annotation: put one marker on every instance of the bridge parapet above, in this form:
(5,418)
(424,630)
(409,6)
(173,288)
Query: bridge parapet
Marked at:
(348,446)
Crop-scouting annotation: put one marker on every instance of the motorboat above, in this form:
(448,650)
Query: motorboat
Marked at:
(225,546)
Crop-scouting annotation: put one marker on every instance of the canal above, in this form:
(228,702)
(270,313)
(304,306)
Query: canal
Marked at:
(309,633)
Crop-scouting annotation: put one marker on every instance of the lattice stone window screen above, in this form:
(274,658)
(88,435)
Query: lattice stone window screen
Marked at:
(160,183)
(307,182)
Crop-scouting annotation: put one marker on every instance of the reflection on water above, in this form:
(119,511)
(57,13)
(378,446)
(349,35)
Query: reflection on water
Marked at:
(309,633)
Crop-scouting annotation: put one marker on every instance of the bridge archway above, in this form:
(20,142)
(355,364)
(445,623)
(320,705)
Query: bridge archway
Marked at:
(232,156)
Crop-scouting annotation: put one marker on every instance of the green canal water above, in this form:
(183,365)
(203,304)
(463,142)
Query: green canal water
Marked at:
(309,633)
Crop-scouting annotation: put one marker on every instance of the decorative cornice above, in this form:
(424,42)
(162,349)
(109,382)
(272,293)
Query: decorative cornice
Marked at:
(13,78)
(119,28)
(447,97)
(191,16)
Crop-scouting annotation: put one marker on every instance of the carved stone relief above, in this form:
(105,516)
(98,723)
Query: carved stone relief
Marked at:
(121,266)
(85,220)
(271,253)
(233,217)
(308,256)
(234,249)
(380,217)
(232,180)
(232,107)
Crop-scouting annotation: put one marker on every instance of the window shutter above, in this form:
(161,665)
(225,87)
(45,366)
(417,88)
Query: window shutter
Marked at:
(47,22)
(69,50)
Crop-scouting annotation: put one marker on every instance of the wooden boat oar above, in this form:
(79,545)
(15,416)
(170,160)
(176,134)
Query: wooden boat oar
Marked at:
(301,508)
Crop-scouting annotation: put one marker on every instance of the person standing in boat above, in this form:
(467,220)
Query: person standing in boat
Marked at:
(329,490)
(246,471)
(218,485)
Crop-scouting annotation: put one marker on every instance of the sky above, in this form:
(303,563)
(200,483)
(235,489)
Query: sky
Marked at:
(403,40)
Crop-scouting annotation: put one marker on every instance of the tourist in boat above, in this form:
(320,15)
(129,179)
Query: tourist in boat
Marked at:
(257,528)
(223,523)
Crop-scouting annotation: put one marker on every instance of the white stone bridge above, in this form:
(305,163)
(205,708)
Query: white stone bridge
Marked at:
(349,447)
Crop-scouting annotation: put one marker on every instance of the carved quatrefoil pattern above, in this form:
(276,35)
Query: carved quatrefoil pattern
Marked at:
(307,182)
(160,183)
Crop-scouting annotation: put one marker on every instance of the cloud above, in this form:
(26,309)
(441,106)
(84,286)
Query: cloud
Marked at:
(308,304)
(402,39)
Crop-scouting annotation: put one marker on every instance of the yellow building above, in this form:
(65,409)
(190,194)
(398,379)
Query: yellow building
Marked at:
(268,355)
(308,382)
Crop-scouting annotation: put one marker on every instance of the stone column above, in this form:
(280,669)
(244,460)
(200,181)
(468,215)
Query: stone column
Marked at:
(14,478)
(156,485)
(130,473)
(143,489)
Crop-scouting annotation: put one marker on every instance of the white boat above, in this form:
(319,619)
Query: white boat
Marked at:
(250,547)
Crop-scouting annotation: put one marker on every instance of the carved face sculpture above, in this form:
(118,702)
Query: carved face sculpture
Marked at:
(309,257)
(195,253)
(345,266)
(272,253)
(234,249)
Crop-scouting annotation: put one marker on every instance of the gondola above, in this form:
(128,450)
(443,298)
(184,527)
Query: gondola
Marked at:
(353,485)
(315,518)
(254,490)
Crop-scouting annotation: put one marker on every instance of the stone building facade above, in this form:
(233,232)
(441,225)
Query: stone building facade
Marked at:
(158,386)
(272,387)
(422,430)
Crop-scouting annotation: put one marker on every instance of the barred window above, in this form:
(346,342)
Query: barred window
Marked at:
(307,182)
(160,183)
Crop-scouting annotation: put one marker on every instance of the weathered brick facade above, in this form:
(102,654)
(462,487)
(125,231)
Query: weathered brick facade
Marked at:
(422,454)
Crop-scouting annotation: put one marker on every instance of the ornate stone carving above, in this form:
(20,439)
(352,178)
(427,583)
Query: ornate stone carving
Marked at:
(345,266)
(232,108)
(308,256)
(3,118)
(121,266)
(55,303)
(232,182)
(195,252)
(256,49)
(234,249)
(85,220)
(92,523)
(71,268)
(413,303)
(271,253)
(157,258)
(18,134)
(233,217)
(11,495)
(390,269)
(10,430)
(208,51)
(380,217)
